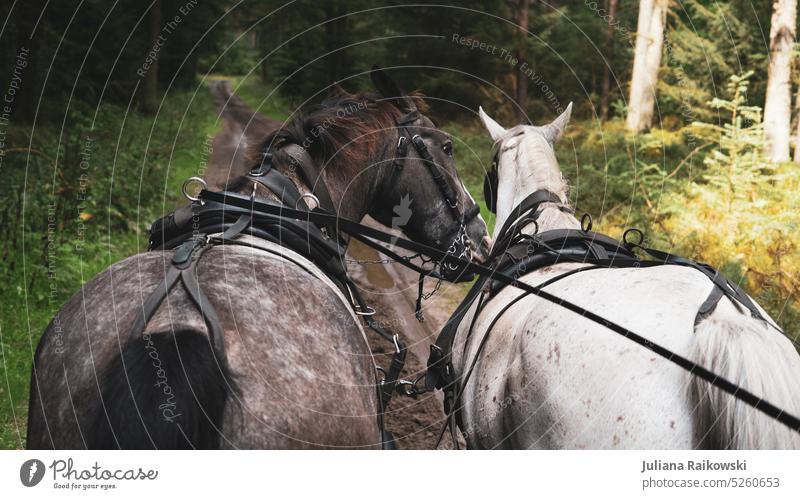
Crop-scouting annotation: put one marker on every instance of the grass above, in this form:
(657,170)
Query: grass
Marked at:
(129,147)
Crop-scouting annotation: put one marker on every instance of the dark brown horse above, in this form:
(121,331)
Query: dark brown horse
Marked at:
(298,372)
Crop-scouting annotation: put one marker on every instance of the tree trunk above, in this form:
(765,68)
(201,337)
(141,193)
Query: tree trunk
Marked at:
(26,38)
(519,15)
(521,80)
(605,95)
(335,39)
(646,62)
(777,108)
(797,125)
(150,87)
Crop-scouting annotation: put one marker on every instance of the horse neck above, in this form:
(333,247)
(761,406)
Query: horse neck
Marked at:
(354,187)
(352,196)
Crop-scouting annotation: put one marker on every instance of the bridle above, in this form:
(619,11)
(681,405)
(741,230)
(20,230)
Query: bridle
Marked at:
(460,245)
(491,179)
(491,183)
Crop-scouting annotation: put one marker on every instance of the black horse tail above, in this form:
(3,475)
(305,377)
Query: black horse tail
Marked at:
(162,391)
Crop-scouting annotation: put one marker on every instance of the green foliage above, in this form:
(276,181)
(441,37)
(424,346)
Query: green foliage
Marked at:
(739,211)
(96,51)
(703,190)
(84,207)
(736,166)
(701,45)
(752,204)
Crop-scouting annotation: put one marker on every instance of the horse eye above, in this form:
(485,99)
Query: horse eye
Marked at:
(448,149)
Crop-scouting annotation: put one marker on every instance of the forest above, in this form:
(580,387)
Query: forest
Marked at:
(686,122)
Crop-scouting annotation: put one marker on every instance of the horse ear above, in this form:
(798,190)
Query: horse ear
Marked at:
(338,90)
(389,89)
(495,130)
(555,130)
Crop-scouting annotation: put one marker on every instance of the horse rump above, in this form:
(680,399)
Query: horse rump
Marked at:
(163,391)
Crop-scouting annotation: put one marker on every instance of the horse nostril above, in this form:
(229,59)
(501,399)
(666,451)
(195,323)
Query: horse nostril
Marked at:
(486,242)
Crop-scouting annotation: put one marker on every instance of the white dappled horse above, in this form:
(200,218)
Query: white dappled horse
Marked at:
(549,378)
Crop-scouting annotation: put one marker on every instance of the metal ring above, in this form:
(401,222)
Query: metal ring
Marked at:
(407,388)
(310,196)
(257,172)
(188,182)
(586,227)
(635,231)
(524,222)
(365,312)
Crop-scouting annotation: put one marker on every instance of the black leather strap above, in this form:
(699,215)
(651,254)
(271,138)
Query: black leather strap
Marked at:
(311,174)
(727,287)
(209,313)
(234,230)
(153,301)
(183,268)
(280,185)
(709,305)
(437,175)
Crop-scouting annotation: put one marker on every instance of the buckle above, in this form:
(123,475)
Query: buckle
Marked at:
(264,167)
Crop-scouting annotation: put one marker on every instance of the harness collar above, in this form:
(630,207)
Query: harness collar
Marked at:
(299,159)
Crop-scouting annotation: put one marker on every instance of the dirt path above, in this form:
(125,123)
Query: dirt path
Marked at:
(242,128)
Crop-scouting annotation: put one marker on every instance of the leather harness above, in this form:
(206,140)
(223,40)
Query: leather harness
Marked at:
(515,254)
(189,231)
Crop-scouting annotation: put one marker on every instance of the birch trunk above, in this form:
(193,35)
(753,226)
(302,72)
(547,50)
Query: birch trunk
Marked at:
(778,105)
(646,62)
(797,127)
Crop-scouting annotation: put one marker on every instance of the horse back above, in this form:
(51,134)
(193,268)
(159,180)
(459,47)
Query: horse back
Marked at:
(303,373)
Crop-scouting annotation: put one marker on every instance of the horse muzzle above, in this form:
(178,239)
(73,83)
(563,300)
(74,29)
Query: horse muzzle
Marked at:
(465,249)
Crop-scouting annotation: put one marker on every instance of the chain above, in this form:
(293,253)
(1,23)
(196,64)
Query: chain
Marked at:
(353,261)
(460,241)
(438,285)
(386,261)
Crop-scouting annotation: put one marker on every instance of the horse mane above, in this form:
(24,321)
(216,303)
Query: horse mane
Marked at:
(341,134)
